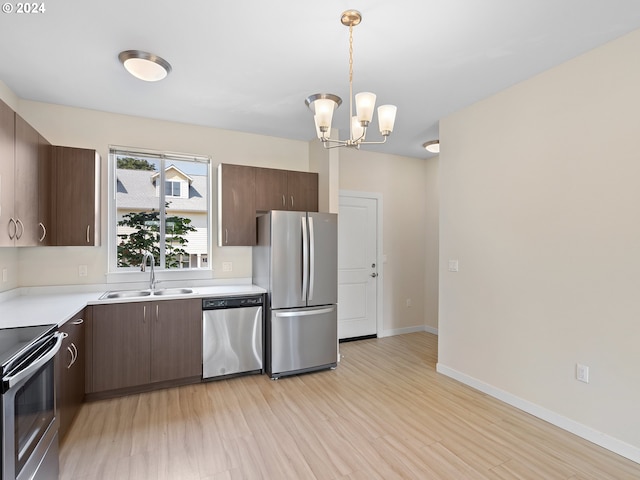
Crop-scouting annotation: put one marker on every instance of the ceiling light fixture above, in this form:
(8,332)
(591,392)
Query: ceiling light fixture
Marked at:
(323,104)
(432,146)
(145,66)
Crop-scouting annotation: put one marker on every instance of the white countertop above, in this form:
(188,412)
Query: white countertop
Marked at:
(57,307)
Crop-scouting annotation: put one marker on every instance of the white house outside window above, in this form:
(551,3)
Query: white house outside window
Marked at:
(161,204)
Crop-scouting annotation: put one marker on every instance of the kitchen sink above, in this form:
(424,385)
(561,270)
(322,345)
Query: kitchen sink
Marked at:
(126,294)
(173,291)
(146,293)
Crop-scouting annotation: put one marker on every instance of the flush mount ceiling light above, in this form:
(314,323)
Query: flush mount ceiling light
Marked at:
(145,66)
(323,104)
(432,146)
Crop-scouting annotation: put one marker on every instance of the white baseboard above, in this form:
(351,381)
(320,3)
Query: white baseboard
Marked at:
(614,445)
(429,329)
(402,331)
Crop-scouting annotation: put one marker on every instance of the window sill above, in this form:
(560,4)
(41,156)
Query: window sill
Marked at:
(161,276)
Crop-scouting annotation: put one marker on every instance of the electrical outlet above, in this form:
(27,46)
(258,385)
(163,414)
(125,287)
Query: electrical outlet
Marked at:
(5,275)
(227,266)
(82,270)
(582,373)
(453,265)
(409,302)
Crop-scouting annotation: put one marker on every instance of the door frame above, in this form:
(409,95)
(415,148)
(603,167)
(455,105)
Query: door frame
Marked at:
(380,260)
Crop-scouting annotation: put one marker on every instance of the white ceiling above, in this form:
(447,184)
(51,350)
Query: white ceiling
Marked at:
(248,65)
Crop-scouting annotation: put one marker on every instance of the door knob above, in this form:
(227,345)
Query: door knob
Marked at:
(374,275)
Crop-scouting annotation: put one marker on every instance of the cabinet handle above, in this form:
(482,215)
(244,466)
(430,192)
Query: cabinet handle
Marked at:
(144,313)
(44,231)
(70,361)
(157,307)
(226,235)
(73,350)
(88,232)
(15,228)
(79,321)
(291,201)
(19,222)
(284,201)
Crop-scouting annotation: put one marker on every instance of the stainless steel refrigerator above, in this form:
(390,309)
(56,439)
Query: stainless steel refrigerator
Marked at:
(296,261)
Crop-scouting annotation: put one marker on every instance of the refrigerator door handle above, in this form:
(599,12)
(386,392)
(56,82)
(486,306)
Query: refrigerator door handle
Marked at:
(303,313)
(312,257)
(305,258)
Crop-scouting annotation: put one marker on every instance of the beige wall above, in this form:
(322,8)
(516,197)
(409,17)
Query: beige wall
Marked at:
(540,203)
(405,185)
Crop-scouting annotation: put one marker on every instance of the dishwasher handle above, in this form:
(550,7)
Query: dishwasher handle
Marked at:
(222,303)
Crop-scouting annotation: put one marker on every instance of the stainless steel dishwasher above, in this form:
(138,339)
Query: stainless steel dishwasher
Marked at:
(232,338)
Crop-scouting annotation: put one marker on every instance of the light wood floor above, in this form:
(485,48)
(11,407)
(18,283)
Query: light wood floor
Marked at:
(384,413)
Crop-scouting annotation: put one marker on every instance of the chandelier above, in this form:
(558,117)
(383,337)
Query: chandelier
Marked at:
(323,104)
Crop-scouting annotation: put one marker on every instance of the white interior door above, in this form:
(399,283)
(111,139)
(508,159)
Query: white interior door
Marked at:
(357,266)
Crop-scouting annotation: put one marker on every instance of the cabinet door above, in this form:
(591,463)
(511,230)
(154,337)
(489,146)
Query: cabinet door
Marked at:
(7,183)
(176,340)
(71,372)
(45,203)
(236,205)
(77,200)
(120,346)
(302,191)
(271,189)
(26,183)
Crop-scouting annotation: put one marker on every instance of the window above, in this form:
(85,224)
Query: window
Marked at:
(171,222)
(172,189)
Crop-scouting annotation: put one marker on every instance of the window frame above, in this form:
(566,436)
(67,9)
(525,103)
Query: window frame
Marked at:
(171,184)
(120,274)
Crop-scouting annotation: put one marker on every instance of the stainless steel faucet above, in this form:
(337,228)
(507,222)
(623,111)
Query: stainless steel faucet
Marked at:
(143,267)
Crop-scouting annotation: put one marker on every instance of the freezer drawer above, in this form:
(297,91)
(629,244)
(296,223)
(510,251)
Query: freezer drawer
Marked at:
(231,341)
(302,340)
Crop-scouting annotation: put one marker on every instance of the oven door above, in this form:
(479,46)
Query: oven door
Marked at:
(29,420)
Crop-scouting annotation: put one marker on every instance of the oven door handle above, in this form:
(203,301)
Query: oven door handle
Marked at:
(15,379)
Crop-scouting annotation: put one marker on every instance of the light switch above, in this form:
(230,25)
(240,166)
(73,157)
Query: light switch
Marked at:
(582,373)
(453,265)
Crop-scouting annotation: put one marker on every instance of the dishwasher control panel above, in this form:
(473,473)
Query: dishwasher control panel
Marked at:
(231,302)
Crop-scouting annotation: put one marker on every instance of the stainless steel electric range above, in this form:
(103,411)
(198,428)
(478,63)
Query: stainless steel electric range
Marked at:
(29,418)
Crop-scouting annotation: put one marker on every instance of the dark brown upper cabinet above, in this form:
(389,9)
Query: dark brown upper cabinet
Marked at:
(26,184)
(48,195)
(7,175)
(286,190)
(76,196)
(244,191)
(236,205)
(19,181)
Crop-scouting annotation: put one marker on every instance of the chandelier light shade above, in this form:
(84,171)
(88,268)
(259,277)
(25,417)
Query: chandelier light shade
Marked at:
(323,104)
(145,66)
(386,119)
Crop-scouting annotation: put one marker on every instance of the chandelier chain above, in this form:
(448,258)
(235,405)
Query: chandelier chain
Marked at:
(350,79)
(350,54)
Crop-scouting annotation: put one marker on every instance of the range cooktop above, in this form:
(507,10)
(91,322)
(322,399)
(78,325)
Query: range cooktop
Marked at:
(18,341)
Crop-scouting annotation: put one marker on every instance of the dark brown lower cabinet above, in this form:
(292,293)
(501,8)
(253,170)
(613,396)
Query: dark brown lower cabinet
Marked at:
(71,371)
(144,345)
